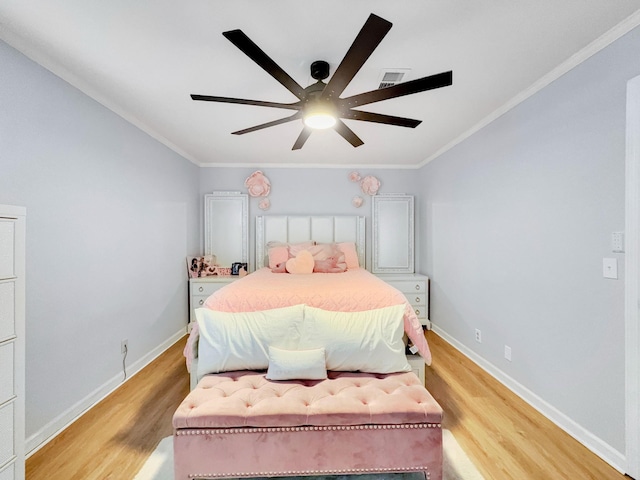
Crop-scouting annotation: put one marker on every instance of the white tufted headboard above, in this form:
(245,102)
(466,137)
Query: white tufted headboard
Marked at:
(301,228)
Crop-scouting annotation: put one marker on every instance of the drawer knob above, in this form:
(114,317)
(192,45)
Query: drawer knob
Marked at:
(417,299)
(201,302)
(201,289)
(417,286)
(417,311)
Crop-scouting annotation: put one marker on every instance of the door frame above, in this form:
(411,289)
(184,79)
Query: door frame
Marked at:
(632,280)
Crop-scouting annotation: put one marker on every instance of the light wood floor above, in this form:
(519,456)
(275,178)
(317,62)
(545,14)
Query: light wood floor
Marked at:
(505,438)
(113,439)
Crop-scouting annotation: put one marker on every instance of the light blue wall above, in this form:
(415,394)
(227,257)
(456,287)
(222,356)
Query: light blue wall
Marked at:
(517,221)
(111,216)
(308,191)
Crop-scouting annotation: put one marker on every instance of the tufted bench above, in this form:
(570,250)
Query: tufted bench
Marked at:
(239,424)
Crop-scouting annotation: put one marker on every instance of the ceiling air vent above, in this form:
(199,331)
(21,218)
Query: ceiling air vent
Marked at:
(391,77)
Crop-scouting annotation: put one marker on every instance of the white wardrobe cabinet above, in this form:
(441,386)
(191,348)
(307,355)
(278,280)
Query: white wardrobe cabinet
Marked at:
(12,359)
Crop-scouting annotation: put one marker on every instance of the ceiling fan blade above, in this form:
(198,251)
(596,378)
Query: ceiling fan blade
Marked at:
(418,85)
(372,33)
(273,123)
(347,134)
(255,53)
(304,135)
(243,101)
(380,118)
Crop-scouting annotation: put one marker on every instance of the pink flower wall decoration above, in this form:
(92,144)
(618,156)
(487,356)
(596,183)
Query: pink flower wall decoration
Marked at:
(264,204)
(257,184)
(357,201)
(370,185)
(354,177)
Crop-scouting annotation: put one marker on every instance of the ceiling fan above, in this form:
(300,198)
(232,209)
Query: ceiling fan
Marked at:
(319,105)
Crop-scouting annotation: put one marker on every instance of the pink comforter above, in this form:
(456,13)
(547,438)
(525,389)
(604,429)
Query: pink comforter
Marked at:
(351,291)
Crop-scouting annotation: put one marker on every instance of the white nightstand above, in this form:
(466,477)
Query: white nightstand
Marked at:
(416,288)
(417,366)
(201,288)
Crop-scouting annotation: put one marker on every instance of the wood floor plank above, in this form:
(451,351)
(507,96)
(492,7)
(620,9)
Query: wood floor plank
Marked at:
(505,437)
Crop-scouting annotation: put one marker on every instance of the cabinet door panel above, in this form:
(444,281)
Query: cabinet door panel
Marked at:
(7,233)
(6,433)
(7,310)
(7,389)
(226,227)
(8,473)
(392,233)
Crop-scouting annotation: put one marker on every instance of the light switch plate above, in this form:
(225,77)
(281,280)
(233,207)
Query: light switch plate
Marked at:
(617,242)
(610,268)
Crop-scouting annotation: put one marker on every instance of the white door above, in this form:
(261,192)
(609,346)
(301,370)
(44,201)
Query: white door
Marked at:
(632,279)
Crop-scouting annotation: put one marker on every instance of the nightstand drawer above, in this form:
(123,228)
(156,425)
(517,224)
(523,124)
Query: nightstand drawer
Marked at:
(416,298)
(197,301)
(202,288)
(421,312)
(418,286)
(415,288)
(205,289)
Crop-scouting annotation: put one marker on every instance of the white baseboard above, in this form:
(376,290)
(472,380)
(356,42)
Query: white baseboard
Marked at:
(605,451)
(47,433)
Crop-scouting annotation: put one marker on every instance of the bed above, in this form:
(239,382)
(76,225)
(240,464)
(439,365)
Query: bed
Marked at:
(282,361)
(353,290)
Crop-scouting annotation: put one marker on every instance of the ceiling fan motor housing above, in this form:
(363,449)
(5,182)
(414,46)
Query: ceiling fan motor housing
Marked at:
(319,70)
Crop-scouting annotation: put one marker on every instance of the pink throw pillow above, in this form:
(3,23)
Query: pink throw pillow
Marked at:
(278,255)
(350,254)
(280,268)
(302,263)
(295,248)
(329,259)
(329,265)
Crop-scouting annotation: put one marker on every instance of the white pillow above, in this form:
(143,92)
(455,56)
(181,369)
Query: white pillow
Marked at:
(240,341)
(296,364)
(369,341)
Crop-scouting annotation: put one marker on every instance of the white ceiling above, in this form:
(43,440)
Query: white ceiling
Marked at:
(142,59)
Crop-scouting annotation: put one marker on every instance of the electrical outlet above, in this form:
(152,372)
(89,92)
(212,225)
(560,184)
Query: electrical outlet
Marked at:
(124,346)
(507,352)
(478,335)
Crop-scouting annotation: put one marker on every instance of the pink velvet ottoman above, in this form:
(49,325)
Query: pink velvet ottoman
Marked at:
(239,424)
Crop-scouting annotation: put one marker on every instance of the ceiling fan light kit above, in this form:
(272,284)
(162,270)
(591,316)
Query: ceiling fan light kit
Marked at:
(319,105)
(319,115)
(319,120)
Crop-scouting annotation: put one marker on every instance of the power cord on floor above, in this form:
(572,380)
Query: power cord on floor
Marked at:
(124,358)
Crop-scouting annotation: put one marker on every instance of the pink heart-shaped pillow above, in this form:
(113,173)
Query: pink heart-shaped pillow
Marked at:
(301,263)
